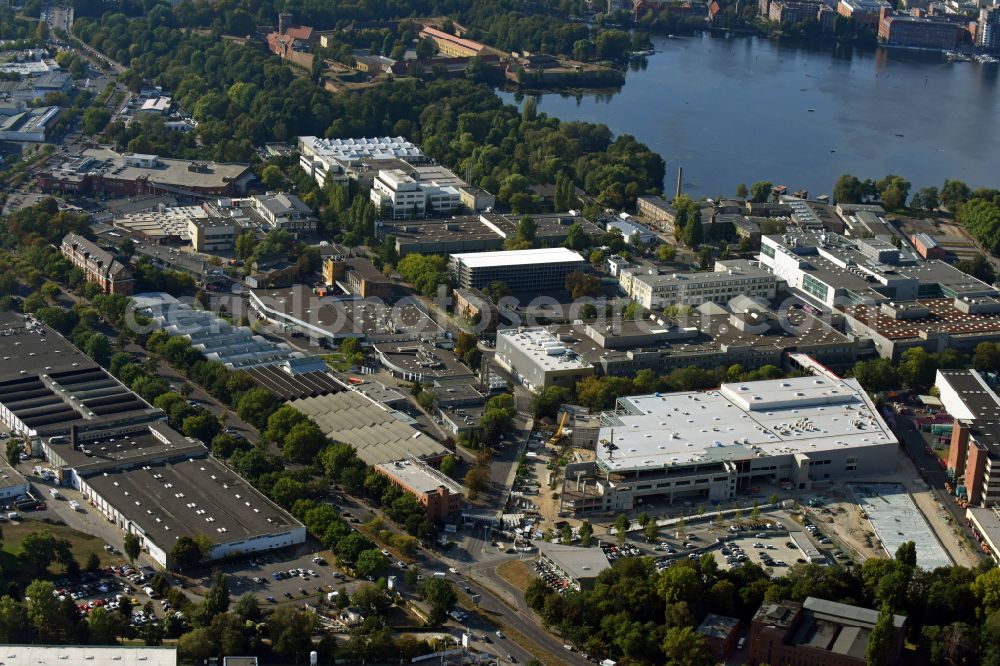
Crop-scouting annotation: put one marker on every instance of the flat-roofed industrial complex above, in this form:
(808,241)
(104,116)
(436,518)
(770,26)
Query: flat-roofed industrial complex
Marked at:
(520,270)
(705,446)
(103,170)
(71,655)
(117,450)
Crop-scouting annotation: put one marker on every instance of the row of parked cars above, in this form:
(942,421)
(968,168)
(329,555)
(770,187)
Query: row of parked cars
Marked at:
(617,552)
(304,574)
(552,578)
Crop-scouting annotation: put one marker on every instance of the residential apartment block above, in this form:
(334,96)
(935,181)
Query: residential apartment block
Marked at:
(98,265)
(919,31)
(975,439)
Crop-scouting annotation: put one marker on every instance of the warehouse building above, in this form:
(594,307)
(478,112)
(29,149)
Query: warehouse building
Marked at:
(72,655)
(236,347)
(378,434)
(101,170)
(520,270)
(30,126)
(439,495)
(580,566)
(117,450)
(707,446)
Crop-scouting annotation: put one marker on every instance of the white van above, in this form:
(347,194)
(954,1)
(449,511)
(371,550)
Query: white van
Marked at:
(150,592)
(54,492)
(439,574)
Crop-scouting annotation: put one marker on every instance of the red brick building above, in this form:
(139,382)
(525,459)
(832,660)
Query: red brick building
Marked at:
(975,438)
(98,265)
(439,495)
(817,632)
(918,31)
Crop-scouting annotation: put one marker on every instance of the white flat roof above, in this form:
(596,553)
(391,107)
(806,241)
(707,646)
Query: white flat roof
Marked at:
(806,415)
(68,655)
(548,255)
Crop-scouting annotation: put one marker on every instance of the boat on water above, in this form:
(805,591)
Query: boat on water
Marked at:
(640,54)
(986,59)
(955,56)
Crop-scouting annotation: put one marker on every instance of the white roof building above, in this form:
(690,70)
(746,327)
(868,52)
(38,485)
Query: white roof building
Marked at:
(705,446)
(78,655)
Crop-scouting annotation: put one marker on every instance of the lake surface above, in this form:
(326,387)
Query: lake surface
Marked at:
(737,110)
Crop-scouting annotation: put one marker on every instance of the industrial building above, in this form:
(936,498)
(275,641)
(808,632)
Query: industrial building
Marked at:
(30,125)
(832,270)
(377,433)
(440,496)
(934,324)
(975,438)
(720,633)
(656,291)
(71,655)
(236,347)
(101,170)
(985,524)
(707,446)
(520,270)
(279,210)
(538,359)
(920,31)
(580,566)
(633,232)
(98,265)
(457,47)
(12,483)
(744,331)
(818,631)
(117,450)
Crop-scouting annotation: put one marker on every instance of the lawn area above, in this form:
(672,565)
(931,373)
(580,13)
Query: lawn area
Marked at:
(517,573)
(82,544)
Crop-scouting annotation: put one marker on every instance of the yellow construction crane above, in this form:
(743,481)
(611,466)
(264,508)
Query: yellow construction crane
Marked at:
(559,431)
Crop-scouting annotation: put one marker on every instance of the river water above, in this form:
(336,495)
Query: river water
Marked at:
(745,109)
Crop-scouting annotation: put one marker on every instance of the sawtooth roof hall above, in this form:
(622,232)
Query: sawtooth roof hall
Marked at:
(118,451)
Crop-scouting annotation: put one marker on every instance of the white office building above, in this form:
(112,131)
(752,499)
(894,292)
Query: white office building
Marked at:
(400,196)
(330,159)
(655,291)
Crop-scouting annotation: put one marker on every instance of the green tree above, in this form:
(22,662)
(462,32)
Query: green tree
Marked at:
(622,524)
(44,613)
(369,562)
(876,375)
(666,252)
(586,532)
(185,552)
(449,465)
(38,549)
(741,191)
(132,547)
(105,627)
(848,190)
(954,193)
(684,646)
(907,554)
(217,599)
(880,639)
(13,452)
(441,596)
(760,191)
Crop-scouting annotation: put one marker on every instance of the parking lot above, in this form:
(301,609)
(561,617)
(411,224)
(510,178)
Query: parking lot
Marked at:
(773,551)
(109,588)
(279,577)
